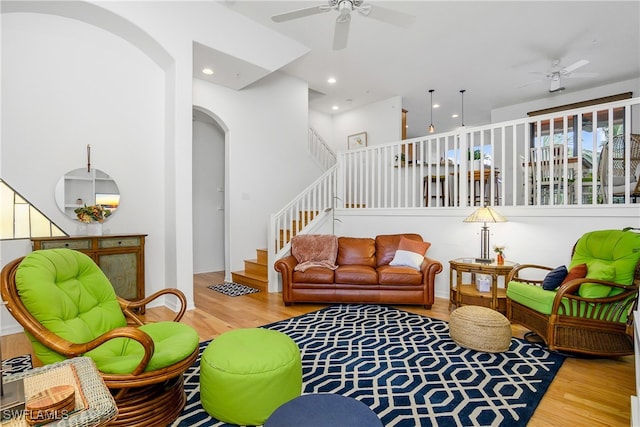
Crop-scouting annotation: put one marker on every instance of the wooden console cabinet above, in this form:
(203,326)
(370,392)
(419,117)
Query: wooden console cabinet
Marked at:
(121,258)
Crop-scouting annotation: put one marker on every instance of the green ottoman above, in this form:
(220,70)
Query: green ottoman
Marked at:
(246,374)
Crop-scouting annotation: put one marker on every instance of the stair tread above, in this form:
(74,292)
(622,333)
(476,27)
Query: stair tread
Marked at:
(250,275)
(248,279)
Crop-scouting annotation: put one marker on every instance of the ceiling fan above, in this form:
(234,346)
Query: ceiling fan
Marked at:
(557,72)
(344,8)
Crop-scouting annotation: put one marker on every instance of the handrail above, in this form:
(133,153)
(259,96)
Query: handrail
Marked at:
(320,150)
(302,212)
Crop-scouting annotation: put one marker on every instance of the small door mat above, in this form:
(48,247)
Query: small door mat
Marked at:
(233,289)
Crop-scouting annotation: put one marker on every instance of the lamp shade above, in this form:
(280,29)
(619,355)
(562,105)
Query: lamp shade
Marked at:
(485,214)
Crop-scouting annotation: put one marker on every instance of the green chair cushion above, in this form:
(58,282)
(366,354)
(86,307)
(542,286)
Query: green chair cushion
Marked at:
(607,248)
(534,297)
(173,342)
(68,294)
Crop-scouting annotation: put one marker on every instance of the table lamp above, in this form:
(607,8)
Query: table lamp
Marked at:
(485,214)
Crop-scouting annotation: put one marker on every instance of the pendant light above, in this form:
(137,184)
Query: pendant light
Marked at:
(462,91)
(431,127)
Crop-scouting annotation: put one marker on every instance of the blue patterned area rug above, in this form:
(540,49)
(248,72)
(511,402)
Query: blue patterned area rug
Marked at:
(16,364)
(407,369)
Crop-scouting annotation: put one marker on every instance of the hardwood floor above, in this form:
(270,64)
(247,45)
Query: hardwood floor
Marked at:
(585,392)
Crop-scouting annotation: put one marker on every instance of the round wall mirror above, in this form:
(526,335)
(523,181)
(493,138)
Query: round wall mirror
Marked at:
(79,187)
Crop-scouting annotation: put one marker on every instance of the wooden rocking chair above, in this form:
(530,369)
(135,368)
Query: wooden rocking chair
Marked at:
(68,308)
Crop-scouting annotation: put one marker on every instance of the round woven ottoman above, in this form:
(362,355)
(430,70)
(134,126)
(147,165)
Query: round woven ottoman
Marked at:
(480,328)
(245,374)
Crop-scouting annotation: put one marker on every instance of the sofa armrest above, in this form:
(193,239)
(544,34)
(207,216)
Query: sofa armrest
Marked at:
(285,266)
(429,268)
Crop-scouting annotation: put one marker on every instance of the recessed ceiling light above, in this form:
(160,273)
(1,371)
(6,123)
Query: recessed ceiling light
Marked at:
(207,71)
(455,115)
(335,107)
(331,80)
(436,105)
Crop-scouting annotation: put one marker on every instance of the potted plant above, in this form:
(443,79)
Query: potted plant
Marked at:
(401,157)
(92,216)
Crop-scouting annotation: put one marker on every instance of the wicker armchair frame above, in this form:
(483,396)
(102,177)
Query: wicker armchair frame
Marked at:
(597,330)
(150,398)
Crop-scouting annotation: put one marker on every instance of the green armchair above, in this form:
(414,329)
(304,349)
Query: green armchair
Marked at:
(591,312)
(68,308)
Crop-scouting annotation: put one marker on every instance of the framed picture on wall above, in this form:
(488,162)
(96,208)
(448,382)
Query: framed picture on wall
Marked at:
(357,140)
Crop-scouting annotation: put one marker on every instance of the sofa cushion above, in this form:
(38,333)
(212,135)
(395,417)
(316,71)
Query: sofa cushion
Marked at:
(387,245)
(398,275)
(356,274)
(410,253)
(356,251)
(314,275)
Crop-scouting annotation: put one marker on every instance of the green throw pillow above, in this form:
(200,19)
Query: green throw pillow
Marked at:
(600,271)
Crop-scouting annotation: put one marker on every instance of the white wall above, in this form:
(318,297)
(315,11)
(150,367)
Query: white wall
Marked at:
(323,124)
(382,121)
(66,84)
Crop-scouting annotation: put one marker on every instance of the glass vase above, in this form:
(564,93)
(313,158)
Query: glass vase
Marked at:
(94,229)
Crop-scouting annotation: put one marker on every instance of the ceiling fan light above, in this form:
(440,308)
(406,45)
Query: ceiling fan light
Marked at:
(345,7)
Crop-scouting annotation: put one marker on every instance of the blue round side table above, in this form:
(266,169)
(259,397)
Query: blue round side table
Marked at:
(323,410)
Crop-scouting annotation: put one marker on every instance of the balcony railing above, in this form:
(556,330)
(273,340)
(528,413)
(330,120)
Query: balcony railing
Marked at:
(559,159)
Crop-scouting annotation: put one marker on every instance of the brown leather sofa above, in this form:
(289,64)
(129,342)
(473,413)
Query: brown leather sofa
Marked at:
(363,275)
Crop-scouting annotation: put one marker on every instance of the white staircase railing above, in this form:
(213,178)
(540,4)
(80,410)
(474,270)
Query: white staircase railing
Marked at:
(310,206)
(321,150)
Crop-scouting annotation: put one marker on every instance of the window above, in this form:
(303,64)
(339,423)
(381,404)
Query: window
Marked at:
(19,219)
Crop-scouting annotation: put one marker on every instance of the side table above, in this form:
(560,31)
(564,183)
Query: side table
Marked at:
(94,404)
(463,292)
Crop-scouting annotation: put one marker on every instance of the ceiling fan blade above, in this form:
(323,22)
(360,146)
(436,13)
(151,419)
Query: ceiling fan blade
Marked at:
(300,13)
(341,34)
(388,16)
(530,83)
(581,75)
(575,66)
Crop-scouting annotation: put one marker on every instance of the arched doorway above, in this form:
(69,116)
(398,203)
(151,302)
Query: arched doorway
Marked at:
(208,187)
